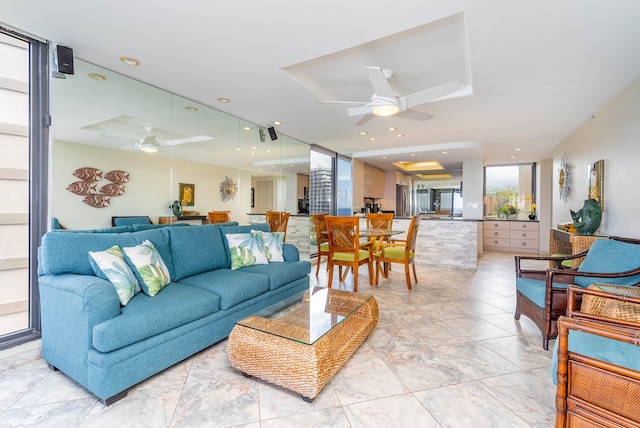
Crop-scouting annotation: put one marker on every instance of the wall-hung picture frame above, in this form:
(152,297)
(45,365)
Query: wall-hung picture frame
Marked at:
(187,194)
(596,182)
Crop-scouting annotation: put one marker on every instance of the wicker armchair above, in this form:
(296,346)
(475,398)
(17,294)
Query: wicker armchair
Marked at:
(598,358)
(344,248)
(399,251)
(541,295)
(322,238)
(216,217)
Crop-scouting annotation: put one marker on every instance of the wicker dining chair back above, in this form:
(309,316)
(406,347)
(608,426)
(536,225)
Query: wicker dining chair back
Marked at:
(278,221)
(400,251)
(344,247)
(322,238)
(219,217)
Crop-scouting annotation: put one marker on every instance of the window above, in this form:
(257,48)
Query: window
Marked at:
(509,185)
(23,177)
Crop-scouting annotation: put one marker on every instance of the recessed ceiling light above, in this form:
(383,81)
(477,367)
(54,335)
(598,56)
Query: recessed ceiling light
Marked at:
(96,76)
(253,147)
(363,132)
(268,151)
(512,157)
(224,100)
(253,153)
(129,61)
(190,108)
(372,138)
(237,149)
(391,129)
(517,150)
(384,157)
(277,122)
(413,155)
(399,135)
(247,128)
(445,152)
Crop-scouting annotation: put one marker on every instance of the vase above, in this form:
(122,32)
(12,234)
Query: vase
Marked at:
(532,216)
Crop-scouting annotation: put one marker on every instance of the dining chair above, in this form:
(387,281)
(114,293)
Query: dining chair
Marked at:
(278,221)
(219,217)
(399,251)
(322,238)
(344,248)
(379,221)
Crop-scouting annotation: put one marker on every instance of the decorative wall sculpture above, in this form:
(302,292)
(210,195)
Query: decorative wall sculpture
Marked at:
(88,186)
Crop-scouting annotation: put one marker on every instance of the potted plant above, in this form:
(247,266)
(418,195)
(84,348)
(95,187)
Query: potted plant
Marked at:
(532,212)
(507,211)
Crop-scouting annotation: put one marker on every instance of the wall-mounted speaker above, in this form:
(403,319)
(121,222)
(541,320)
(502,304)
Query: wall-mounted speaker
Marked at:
(64,56)
(262,136)
(272,133)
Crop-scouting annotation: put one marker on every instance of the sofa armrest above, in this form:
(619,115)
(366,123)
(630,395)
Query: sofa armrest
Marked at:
(71,305)
(290,252)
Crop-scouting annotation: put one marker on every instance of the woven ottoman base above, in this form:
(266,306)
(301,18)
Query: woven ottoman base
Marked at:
(295,365)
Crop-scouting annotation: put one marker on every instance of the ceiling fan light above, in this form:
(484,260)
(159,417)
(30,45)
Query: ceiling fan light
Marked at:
(385,110)
(149,149)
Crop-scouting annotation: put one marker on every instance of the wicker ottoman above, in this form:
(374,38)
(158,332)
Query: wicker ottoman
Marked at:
(302,349)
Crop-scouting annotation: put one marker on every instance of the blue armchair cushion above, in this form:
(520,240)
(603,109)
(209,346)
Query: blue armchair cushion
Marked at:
(178,303)
(148,266)
(609,256)
(233,286)
(601,348)
(535,289)
(110,265)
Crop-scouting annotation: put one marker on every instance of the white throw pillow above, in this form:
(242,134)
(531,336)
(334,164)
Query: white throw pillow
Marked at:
(246,249)
(272,243)
(110,265)
(150,269)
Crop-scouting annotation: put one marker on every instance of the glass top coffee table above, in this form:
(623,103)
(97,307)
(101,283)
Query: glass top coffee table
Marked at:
(301,347)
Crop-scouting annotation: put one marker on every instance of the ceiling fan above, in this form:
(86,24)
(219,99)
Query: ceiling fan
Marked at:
(148,144)
(384,101)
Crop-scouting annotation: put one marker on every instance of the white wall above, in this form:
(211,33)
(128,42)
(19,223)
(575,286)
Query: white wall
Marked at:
(472,189)
(154,184)
(613,134)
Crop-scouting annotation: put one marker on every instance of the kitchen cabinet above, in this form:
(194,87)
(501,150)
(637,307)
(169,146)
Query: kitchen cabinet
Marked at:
(512,235)
(373,182)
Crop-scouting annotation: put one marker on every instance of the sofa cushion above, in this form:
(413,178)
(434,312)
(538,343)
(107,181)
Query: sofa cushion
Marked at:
(283,273)
(534,289)
(145,316)
(128,221)
(148,267)
(139,227)
(110,265)
(63,252)
(607,256)
(197,249)
(245,249)
(233,286)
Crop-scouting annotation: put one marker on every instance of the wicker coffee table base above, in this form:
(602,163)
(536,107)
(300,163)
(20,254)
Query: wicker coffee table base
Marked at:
(297,366)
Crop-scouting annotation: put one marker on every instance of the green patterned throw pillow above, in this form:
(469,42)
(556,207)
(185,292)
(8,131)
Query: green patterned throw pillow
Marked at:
(246,249)
(272,243)
(150,269)
(110,265)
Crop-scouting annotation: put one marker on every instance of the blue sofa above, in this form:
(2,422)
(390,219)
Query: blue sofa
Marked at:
(106,347)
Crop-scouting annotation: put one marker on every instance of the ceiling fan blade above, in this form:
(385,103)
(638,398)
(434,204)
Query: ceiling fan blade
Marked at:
(359,111)
(357,103)
(364,119)
(380,83)
(414,115)
(431,94)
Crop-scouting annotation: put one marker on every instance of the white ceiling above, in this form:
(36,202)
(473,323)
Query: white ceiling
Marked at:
(534,70)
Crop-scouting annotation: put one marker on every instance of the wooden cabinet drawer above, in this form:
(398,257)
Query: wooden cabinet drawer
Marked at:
(496,242)
(532,226)
(526,245)
(497,233)
(492,225)
(523,234)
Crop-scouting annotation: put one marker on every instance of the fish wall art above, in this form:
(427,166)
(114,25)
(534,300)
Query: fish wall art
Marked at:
(90,178)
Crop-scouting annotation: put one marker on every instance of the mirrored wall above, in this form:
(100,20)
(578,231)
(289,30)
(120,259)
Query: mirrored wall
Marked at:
(125,148)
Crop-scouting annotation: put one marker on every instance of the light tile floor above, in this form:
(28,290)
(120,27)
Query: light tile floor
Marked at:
(446,354)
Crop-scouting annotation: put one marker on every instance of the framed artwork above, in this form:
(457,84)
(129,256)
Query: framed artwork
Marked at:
(596,182)
(187,194)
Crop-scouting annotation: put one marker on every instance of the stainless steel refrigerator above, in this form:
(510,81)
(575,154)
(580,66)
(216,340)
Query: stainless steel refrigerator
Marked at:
(403,200)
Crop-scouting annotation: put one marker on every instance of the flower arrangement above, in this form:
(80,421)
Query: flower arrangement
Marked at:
(507,210)
(532,210)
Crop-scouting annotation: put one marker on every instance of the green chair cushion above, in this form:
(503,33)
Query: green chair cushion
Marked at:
(348,257)
(395,253)
(324,247)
